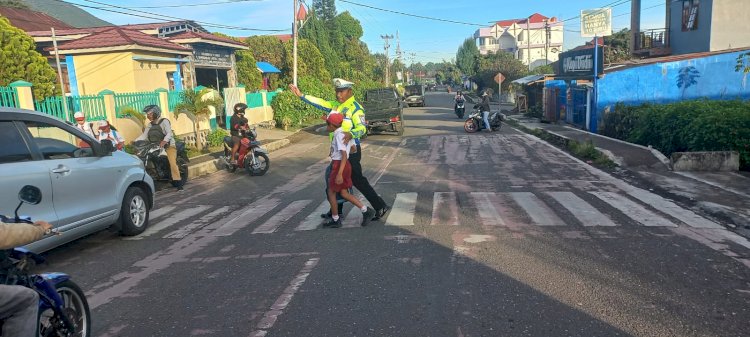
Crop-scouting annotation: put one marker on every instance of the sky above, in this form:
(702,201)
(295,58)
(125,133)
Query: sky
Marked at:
(421,40)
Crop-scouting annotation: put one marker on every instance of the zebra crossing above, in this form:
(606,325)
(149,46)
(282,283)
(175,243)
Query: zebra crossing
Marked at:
(516,211)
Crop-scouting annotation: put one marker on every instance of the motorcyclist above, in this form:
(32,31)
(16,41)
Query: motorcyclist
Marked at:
(19,305)
(159,130)
(237,124)
(484,107)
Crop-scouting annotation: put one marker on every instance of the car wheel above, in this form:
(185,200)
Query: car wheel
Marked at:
(134,212)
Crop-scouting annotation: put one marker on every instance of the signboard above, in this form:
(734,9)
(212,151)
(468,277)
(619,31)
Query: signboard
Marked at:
(580,63)
(212,57)
(596,22)
(499,78)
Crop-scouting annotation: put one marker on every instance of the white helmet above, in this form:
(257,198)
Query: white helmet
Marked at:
(78,115)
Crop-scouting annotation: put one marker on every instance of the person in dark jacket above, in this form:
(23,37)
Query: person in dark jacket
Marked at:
(236,124)
(485,108)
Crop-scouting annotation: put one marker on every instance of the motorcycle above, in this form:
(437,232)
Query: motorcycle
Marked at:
(475,122)
(63,308)
(460,109)
(155,160)
(256,164)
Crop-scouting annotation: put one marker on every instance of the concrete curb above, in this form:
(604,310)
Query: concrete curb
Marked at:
(660,156)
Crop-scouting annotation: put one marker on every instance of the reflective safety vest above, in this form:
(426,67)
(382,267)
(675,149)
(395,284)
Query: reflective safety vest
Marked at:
(354,114)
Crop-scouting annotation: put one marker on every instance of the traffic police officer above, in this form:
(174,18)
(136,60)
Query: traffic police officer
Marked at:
(355,128)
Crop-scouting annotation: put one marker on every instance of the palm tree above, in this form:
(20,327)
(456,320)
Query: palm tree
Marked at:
(195,104)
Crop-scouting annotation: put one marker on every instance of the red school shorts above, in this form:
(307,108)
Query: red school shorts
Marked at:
(347,175)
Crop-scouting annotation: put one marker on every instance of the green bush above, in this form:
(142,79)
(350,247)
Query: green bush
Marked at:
(289,110)
(216,137)
(700,125)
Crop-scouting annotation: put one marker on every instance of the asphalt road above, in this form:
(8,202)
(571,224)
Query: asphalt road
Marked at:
(491,234)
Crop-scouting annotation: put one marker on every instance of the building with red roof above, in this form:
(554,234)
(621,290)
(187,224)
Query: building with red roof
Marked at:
(536,40)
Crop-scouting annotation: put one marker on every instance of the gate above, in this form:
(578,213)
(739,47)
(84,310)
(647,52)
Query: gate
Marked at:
(577,106)
(550,104)
(232,96)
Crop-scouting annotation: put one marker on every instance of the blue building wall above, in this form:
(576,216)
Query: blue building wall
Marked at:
(711,77)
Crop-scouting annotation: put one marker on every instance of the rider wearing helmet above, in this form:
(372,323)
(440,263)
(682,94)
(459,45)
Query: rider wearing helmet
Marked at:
(159,130)
(237,123)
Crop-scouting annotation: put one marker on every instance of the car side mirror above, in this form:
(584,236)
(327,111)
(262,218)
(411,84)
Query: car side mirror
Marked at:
(107,147)
(30,195)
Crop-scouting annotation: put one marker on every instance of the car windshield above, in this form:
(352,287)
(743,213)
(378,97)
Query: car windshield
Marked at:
(413,90)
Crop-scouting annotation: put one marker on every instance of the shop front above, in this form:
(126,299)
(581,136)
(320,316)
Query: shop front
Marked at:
(574,91)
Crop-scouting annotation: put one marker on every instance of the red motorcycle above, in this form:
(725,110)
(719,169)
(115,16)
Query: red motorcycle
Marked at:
(250,156)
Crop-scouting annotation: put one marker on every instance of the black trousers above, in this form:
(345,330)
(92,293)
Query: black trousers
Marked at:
(361,183)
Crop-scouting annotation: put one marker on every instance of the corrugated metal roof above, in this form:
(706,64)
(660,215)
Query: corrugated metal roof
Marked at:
(671,58)
(266,67)
(28,20)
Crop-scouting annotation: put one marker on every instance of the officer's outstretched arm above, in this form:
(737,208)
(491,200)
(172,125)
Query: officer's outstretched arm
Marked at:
(318,103)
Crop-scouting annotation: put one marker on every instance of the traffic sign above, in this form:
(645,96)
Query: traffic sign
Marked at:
(499,78)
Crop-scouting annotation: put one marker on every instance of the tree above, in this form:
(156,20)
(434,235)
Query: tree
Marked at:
(198,103)
(310,62)
(268,49)
(467,57)
(348,26)
(542,70)
(247,70)
(317,32)
(502,62)
(617,47)
(325,9)
(19,60)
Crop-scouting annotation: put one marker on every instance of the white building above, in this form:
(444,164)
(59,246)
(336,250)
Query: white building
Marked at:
(536,40)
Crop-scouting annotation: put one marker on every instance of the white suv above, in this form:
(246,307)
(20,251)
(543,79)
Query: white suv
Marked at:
(86,185)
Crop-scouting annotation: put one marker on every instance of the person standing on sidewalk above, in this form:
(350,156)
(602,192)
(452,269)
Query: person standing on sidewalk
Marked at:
(353,128)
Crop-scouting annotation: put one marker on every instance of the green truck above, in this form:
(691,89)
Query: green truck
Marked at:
(384,110)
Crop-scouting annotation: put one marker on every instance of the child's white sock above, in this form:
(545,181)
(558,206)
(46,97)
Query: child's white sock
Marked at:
(335,217)
(364,209)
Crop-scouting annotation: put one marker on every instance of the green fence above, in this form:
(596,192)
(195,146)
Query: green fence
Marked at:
(174,98)
(254,99)
(91,105)
(271,95)
(8,97)
(135,100)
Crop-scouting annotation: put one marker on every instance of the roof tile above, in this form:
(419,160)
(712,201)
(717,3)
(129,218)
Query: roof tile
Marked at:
(118,36)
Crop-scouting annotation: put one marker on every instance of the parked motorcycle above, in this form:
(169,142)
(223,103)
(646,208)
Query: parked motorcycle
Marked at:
(460,109)
(63,308)
(155,159)
(475,122)
(250,155)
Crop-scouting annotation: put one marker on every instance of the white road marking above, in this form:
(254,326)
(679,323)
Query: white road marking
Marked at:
(444,209)
(204,220)
(170,221)
(685,215)
(487,212)
(539,212)
(402,213)
(314,220)
(272,224)
(277,309)
(160,212)
(633,210)
(582,210)
(253,212)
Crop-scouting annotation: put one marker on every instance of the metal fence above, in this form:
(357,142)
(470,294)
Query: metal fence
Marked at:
(8,97)
(135,100)
(174,98)
(92,107)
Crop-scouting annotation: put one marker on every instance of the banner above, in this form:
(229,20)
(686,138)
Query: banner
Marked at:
(596,22)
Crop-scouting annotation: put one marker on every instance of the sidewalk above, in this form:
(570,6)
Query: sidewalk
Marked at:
(271,140)
(724,196)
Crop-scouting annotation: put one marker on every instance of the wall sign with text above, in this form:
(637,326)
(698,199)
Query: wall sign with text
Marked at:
(580,63)
(212,57)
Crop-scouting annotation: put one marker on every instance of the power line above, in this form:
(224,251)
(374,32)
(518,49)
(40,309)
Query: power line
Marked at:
(161,17)
(413,15)
(612,4)
(190,5)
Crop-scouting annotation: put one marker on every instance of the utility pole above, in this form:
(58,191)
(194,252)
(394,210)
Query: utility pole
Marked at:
(294,35)
(547,34)
(528,42)
(386,46)
(59,75)
(398,54)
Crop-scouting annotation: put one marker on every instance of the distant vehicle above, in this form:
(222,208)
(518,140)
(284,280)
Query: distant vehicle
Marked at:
(384,110)
(89,186)
(414,95)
